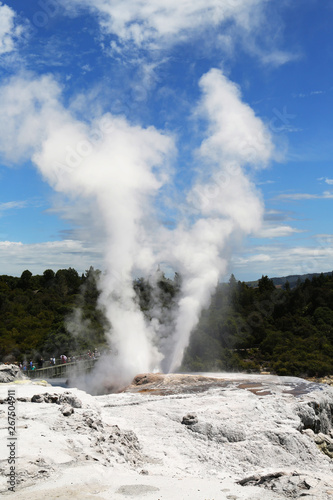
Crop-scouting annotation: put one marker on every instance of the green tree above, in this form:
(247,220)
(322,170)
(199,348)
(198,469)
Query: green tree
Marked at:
(265,285)
(25,281)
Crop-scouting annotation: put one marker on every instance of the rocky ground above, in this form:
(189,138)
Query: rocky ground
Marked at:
(328,380)
(173,437)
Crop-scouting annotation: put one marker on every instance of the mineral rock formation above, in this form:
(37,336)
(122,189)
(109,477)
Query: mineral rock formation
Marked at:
(9,373)
(235,437)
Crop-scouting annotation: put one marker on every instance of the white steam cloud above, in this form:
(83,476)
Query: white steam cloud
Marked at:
(123,169)
(226,202)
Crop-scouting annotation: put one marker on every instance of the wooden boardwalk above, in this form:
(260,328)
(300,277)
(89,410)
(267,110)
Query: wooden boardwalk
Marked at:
(63,370)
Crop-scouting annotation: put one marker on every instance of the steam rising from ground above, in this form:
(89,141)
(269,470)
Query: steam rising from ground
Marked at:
(124,171)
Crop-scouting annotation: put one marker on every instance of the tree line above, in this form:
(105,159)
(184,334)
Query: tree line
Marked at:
(34,312)
(281,330)
(264,328)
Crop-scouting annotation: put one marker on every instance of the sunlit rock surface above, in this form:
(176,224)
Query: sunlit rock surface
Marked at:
(9,373)
(174,437)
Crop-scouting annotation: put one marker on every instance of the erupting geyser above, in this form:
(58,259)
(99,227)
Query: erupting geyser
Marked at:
(123,173)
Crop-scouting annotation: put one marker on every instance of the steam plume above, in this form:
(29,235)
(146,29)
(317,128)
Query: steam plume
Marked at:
(122,170)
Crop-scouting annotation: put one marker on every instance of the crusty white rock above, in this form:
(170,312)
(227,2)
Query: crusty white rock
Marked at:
(244,437)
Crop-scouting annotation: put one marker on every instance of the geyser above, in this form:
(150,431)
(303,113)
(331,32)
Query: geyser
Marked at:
(124,173)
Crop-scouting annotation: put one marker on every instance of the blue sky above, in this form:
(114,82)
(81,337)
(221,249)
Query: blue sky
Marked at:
(143,62)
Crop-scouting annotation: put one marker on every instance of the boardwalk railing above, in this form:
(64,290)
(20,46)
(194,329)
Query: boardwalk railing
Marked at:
(62,370)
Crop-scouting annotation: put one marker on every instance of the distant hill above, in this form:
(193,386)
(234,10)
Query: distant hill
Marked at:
(292,279)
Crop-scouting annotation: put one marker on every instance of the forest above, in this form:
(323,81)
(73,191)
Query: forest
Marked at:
(280,330)
(283,330)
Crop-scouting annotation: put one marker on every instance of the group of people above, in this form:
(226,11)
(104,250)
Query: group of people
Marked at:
(72,359)
(25,366)
(40,363)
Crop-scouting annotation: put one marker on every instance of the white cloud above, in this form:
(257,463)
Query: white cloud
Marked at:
(304,196)
(276,57)
(275,216)
(156,24)
(9,31)
(15,257)
(325,236)
(244,261)
(155,21)
(263,183)
(270,231)
(11,205)
(278,260)
(302,95)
